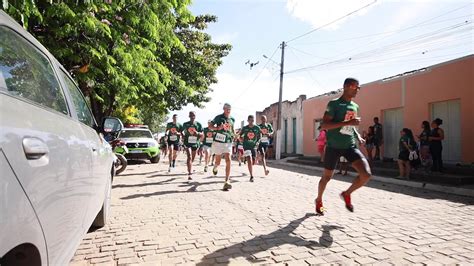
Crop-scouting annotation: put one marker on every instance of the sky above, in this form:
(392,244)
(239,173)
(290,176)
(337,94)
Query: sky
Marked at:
(384,38)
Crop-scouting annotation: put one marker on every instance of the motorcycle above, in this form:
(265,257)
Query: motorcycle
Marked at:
(119,148)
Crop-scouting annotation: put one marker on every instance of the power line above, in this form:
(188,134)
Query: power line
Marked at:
(258,75)
(332,22)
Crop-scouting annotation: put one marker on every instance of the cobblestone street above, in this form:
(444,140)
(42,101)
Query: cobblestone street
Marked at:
(158,218)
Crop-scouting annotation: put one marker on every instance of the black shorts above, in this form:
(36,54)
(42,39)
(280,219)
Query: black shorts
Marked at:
(193,148)
(262,148)
(175,145)
(404,156)
(332,155)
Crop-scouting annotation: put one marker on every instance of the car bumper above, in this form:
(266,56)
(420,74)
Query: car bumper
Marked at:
(138,153)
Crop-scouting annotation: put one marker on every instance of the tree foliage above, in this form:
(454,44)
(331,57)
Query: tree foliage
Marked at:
(152,55)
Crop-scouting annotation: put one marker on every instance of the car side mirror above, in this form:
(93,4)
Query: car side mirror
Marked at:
(111,125)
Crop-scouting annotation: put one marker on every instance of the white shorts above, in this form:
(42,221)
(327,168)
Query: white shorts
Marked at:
(219,148)
(206,148)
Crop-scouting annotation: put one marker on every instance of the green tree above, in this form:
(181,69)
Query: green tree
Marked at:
(152,55)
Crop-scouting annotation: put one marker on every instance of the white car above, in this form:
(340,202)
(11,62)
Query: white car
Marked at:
(56,169)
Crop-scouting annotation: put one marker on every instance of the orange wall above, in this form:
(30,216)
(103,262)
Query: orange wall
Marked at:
(447,81)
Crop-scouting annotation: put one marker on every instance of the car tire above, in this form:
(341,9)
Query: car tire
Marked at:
(121,164)
(102,216)
(155,159)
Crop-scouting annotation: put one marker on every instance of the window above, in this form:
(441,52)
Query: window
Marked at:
(83,112)
(26,72)
(135,134)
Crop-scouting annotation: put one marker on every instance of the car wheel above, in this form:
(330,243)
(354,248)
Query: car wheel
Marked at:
(102,216)
(120,164)
(155,159)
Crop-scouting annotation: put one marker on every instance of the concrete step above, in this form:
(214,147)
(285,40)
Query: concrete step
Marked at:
(419,175)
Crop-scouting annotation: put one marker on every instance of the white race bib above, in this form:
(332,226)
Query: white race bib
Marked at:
(192,139)
(347,130)
(220,137)
(173,138)
(209,140)
(264,139)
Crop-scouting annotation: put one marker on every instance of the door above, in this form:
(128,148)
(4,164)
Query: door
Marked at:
(450,113)
(286,136)
(392,125)
(294,135)
(43,143)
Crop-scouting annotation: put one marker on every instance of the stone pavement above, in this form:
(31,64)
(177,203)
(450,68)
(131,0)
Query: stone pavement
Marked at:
(160,219)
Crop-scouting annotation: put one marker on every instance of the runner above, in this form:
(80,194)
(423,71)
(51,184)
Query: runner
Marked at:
(207,139)
(173,131)
(163,146)
(223,124)
(267,132)
(240,148)
(339,121)
(191,131)
(250,135)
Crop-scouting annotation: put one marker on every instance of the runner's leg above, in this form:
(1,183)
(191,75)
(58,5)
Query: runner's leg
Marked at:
(227,166)
(250,166)
(363,169)
(264,161)
(188,160)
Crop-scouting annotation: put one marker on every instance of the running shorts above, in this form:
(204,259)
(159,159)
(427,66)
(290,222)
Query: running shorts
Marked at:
(333,155)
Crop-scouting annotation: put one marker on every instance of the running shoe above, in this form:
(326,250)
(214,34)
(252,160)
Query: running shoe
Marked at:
(347,200)
(214,171)
(227,186)
(169,169)
(240,164)
(205,169)
(251,179)
(267,172)
(189,177)
(319,207)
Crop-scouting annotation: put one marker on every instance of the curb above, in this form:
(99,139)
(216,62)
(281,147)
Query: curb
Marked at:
(414,184)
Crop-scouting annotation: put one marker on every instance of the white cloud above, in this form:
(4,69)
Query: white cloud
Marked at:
(225,38)
(319,13)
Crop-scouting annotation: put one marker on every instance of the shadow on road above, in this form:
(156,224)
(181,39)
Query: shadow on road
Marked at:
(193,187)
(145,184)
(276,238)
(411,191)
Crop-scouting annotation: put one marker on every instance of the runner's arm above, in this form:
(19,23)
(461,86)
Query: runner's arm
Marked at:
(329,124)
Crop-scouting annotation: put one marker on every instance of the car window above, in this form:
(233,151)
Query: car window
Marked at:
(135,134)
(26,72)
(80,105)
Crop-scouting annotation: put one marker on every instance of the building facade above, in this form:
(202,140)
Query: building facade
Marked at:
(291,124)
(444,90)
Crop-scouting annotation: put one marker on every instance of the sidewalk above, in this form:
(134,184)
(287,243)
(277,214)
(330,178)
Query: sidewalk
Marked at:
(464,190)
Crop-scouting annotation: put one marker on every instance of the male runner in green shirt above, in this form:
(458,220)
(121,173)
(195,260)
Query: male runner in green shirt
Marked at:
(207,139)
(191,132)
(223,125)
(173,133)
(339,120)
(251,135)
(267,132)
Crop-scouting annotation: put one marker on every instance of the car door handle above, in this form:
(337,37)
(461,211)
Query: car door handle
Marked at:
(34,148)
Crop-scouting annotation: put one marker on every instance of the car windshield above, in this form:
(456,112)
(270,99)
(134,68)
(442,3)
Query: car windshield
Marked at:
(135,134)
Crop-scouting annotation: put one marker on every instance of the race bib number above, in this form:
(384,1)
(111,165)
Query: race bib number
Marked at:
(209,140)
(192,139)
(348,130)
(220,137)
(173,138)
(264,139)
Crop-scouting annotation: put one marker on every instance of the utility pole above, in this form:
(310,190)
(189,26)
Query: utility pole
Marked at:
(278,135)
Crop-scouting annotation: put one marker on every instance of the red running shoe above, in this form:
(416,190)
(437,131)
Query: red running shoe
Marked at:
(319,207)
(347,200)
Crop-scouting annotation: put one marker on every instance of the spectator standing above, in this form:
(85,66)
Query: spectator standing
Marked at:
(321,143)
(436,146)
(425,155)
(369,143)
(378,138)
(405,146)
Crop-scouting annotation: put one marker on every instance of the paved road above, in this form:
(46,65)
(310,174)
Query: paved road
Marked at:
(160,219)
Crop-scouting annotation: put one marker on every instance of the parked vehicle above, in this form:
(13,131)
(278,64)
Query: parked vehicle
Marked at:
(56,169)
(140,143)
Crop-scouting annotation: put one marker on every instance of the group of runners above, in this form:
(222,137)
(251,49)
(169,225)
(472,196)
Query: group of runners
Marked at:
(216,141)
(340,120)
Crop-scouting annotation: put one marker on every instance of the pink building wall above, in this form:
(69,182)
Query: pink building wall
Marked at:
(414,93)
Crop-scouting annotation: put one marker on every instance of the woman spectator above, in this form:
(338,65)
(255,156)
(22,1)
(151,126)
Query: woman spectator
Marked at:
(436,146)
(321,143)
(369,142)
(425,144)
(405,146)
